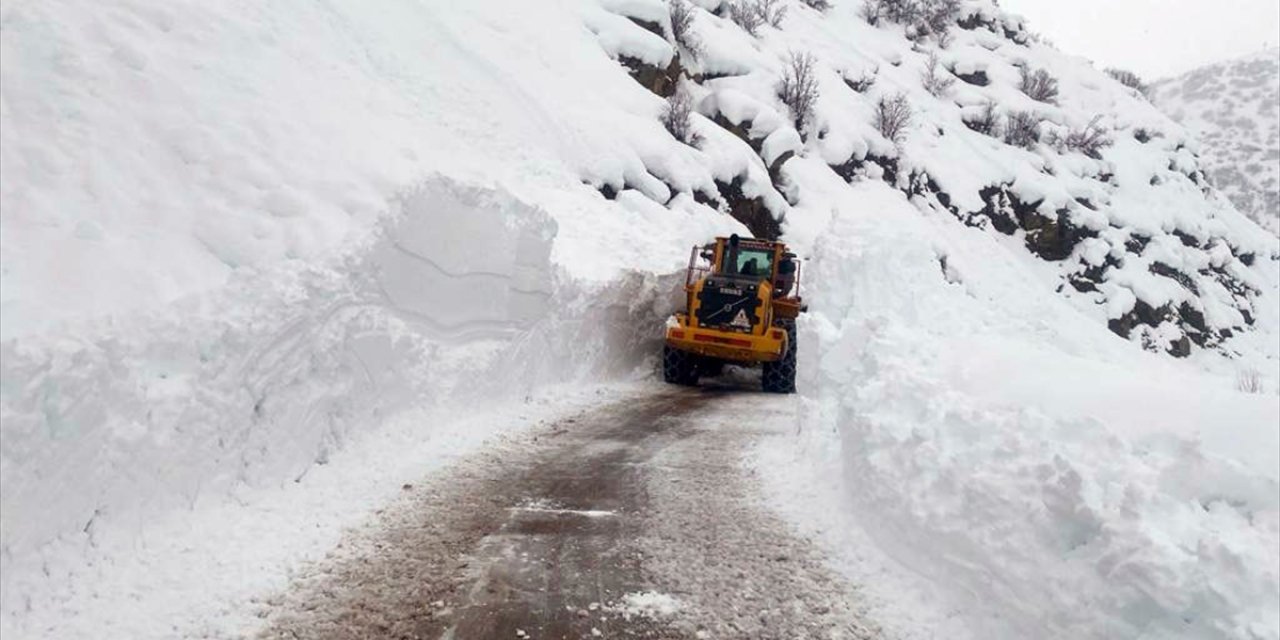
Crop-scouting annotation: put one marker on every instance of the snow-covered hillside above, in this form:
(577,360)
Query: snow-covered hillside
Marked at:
(237,241)
(1233,108)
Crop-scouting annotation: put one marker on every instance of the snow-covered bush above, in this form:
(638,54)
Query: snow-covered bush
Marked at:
(1090,140)
(893,117)
(986,120)
(939,15)
(820,5)
(681,13)
(923,16)
(1022,129)
(937,83)
(1130,79)
(753,14)
(798,88)
(676,117)
(861,81)
(1039,85)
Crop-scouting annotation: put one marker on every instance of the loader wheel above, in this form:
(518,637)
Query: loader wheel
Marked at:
(780,376)
(679,367)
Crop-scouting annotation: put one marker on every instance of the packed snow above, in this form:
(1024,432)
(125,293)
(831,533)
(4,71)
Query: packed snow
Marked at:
(261,265)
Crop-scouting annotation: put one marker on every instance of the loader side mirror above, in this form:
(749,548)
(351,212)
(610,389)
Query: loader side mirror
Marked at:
(786,267)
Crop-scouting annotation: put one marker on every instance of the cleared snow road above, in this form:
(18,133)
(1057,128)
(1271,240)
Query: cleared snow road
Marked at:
(634,520)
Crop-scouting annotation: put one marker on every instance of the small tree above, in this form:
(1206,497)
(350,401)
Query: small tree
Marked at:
(677,118)
(682,27)
(1090,140)
(1131,80)
(893,117)
(937,80)
(1039,85)
(799,88)
(1022,129)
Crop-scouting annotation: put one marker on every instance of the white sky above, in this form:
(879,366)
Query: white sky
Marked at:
(1155,38)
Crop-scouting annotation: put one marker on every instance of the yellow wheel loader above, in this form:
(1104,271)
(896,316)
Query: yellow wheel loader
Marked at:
(741,303)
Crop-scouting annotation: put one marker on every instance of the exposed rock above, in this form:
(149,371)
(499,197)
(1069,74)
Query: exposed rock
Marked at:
(752,212)
(656,79)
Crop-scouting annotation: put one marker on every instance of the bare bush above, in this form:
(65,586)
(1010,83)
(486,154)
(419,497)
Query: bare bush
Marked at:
(1249,381)
(753,14)
(925,16)
(682,27)
(1022,129)
(1131,80)
(1039,85)
(1090,140)
(987,121)
(936,79)
(893,117)
(677,118)
(799,88)
(939,15)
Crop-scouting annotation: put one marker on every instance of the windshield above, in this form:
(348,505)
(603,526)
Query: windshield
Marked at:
(753,262)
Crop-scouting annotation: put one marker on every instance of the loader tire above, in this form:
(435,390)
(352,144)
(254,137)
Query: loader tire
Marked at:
(780,376)
(679,367)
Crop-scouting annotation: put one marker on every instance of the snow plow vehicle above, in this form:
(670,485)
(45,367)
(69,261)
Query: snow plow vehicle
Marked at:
(742,298)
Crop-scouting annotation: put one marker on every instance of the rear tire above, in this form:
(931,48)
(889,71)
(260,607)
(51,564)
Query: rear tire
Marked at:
(679,367)
(780,376)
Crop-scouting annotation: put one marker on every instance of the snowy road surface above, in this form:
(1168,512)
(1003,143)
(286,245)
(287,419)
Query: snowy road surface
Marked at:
(634,520)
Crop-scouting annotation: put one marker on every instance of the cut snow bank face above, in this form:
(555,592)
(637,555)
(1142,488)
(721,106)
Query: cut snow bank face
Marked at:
(456,301)
(1051,482)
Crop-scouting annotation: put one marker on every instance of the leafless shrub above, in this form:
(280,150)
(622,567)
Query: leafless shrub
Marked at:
(1090,140)
(937,80)
(799,88)
(820,5)
(923,16)
(682,27)
(753,14)
(893,117)
(1249,381)
(986,121)
(939,15)
(1039,85)
(1131,80)
(677,119)
(1022,129)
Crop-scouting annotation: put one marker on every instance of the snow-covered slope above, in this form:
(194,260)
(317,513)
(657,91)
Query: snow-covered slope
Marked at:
(1233,108)
(236,241)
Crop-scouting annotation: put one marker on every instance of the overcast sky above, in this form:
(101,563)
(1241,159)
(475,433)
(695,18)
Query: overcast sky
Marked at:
(1155,38)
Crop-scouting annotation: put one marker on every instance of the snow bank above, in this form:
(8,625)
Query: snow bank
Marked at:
(1020,462)
(456,301)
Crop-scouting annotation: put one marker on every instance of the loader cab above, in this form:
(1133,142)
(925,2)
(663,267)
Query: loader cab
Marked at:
(746,259)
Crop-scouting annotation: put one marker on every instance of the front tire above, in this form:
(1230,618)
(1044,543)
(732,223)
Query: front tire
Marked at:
(679,367)
(780,376)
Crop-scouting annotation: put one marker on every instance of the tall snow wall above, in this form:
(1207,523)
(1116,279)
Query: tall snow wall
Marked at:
(455,299)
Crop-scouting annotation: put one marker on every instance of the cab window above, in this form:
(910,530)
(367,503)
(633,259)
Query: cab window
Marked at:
(754,262)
